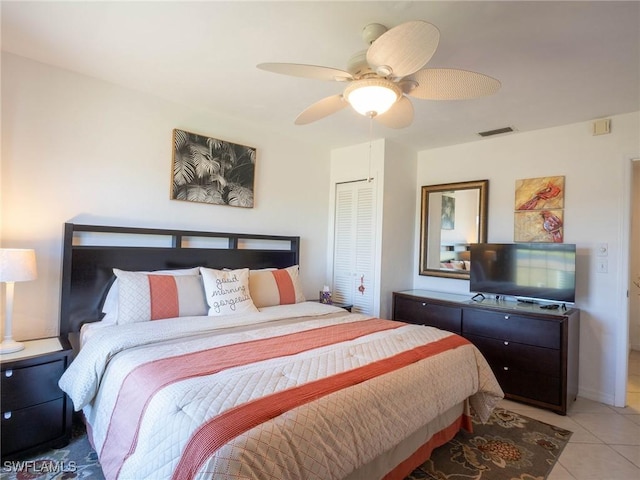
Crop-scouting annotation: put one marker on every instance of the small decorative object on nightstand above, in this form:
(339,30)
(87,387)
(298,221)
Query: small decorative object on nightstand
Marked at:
(36,414)
(325,295)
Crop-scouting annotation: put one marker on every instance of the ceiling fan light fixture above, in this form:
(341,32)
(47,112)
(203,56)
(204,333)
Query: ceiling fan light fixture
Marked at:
(372,96)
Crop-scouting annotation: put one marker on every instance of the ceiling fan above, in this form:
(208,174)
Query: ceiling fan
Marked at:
(381,79)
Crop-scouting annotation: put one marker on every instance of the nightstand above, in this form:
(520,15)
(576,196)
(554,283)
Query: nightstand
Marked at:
(36,414)
(346,306)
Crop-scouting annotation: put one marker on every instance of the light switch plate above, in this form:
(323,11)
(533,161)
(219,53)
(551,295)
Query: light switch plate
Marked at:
(602,265)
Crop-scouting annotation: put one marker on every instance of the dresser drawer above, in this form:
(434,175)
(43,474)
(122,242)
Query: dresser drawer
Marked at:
(502,354)
(26,386)
(530,386)
(427,313)
(514,328)
(32,426)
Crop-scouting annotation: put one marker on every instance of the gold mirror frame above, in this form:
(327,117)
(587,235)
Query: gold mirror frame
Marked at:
(431,228)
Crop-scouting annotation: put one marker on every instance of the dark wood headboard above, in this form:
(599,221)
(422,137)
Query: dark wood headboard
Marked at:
(90,252)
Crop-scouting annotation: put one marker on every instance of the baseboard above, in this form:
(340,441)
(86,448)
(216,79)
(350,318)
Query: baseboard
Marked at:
(597,396)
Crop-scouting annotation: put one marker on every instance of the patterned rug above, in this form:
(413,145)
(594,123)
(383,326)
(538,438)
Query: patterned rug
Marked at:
(508,447)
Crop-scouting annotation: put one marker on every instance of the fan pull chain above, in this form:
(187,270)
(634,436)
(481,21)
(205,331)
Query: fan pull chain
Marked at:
(371,115)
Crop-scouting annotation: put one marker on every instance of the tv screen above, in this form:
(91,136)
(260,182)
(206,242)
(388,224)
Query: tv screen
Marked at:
(533,271)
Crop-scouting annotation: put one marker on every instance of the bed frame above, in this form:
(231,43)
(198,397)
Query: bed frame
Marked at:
(90,252)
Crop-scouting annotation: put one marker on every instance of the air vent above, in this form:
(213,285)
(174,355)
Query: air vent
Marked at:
(497,131)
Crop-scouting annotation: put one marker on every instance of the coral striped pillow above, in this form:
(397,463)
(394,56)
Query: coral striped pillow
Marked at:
(275,287)
(143,296)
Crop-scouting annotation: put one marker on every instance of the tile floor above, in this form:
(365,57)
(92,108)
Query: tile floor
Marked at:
(605,444)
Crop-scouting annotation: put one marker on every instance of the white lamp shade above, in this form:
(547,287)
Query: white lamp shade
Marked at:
(17,265)
(372,96)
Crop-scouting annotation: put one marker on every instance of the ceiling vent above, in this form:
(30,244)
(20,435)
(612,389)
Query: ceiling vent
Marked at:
(497,131)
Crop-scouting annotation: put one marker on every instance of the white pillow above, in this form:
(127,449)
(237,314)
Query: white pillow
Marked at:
(227,291)
(275,287)
(147,296)
(110,305)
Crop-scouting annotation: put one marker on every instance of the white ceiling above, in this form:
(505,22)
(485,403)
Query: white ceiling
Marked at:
(559,62)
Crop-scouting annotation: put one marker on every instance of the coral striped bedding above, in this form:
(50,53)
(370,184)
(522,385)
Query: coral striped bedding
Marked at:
(296,391)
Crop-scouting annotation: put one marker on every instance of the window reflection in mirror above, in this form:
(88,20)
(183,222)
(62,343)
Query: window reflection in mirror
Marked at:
(453,216)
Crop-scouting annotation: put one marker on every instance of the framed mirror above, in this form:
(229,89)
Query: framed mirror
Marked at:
(453,216)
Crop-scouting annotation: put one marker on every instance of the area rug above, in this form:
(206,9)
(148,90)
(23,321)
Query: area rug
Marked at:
(508,447)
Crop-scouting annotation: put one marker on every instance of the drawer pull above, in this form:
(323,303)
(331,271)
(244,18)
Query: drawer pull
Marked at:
(506,343)
(506,317)
(505,368)
(6,415)
(8,373)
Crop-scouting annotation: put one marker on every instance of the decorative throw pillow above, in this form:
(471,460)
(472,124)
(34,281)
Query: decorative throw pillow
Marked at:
(227,291)
(148,296)
(111,300)
(275,287)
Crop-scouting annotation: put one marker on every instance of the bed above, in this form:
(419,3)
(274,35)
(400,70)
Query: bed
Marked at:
(244,378)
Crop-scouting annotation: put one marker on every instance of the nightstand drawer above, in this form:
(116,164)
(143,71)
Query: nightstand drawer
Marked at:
(29,427)
(27,386)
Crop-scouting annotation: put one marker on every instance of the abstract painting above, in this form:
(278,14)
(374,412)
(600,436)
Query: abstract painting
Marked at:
(539,226)
(542,193)
(448,221)
(539,214)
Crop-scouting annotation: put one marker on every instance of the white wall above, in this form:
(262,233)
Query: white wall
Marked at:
(398,213)
(594,168)
(75,148)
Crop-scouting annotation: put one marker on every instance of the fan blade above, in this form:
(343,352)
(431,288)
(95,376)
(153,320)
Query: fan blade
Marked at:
(307,71)
(404,49)
(321,109)
(451,84)
(400,115)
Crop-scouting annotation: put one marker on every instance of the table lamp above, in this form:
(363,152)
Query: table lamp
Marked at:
(16,265)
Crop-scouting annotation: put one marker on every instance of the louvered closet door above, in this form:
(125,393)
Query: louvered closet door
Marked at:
(354,245)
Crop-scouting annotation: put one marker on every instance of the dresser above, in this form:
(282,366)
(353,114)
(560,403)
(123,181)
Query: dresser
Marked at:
(36,414)
(533,352)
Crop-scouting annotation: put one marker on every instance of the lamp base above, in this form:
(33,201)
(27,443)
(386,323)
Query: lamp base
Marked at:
(10,346)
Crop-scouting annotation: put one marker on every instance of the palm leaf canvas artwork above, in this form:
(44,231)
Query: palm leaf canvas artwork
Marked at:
(209,170)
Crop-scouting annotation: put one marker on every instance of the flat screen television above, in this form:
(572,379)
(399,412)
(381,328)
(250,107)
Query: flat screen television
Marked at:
(528,271)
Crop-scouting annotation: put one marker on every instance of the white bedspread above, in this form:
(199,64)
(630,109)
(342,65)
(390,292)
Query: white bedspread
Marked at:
(323,435)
